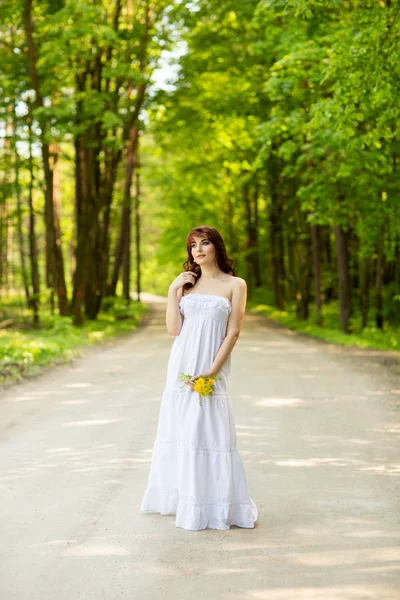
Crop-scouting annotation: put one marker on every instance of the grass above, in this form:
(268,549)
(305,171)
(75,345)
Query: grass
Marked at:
(367,337)
(25,349)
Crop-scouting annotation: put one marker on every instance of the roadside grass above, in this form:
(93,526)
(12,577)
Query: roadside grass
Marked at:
(26,349)
(369,337)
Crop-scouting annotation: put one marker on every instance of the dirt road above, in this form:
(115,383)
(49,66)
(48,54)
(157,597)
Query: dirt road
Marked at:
(318,431)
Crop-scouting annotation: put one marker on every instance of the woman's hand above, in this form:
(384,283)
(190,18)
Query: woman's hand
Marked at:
(184,277)
(191,381)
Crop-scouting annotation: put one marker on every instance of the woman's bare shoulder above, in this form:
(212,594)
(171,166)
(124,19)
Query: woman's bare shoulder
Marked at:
(239,283)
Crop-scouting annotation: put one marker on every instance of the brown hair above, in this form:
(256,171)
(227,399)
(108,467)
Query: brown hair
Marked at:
(222,259)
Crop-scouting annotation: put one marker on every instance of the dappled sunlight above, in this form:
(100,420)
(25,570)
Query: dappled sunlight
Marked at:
(370,534)
(114,369)
(383,469)
(361,591)
(313,462)
(79,385)
(254,348)
(317,440)
(276,402)
(251,428)
(37,394)
(73,402)
(384,569)
(102,548)
(229,571)
(69,460)
(345,556)
(78,452)
(394,429)
(89,422)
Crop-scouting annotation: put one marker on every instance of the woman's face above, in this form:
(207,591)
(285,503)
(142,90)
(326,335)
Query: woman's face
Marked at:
(203,250)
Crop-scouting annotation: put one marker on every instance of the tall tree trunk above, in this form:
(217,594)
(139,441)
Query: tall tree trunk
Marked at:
(131,157)
(20,230)
(249,249)
(118,256)
(291,271)
(364,289)
(123,243)
(86,221)
(8,203)
(276,233)
(303,259)
(126,275)
(255,235)
(3,261)
(251,255)
(33,252)
(379,284)
(342,257)
(229,213)
(138,224)
(10,247)
(316,259)
(329,292)
(53,244)
(110,289)
(397,265)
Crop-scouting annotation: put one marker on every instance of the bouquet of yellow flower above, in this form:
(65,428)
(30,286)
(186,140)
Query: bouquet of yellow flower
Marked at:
(203,385)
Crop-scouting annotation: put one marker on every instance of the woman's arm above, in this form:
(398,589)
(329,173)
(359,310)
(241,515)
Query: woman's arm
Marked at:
(173,317)
(239,298)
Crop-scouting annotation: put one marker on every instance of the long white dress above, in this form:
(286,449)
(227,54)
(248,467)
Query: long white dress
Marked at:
(196,471)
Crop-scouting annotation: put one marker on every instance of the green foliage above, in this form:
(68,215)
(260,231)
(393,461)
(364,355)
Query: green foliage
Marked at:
(367,337)
(24,349)
(392,303)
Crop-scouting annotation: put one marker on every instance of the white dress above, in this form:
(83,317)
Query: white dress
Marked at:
(196,471)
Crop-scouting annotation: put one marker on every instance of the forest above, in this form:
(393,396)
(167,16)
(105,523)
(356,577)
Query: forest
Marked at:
(126,123)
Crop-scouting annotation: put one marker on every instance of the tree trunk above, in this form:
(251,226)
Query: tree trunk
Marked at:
(342,257)
(291,274)
(364,290)
(33,252)
(131,157)
(229,213)
(303,256)
(10,248)
(397,265)
(276,234)
(255,236)
(137,225)
(118,256)
(20,230)
(252,260)
(329,291)
(55,264)
(248,254)
(316,259)
(3,231)
(379,285)
(86,222)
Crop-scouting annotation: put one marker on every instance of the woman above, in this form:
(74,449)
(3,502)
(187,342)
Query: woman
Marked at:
(196,471)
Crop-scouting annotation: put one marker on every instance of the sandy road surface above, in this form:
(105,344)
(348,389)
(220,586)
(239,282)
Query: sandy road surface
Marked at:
(318,430)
